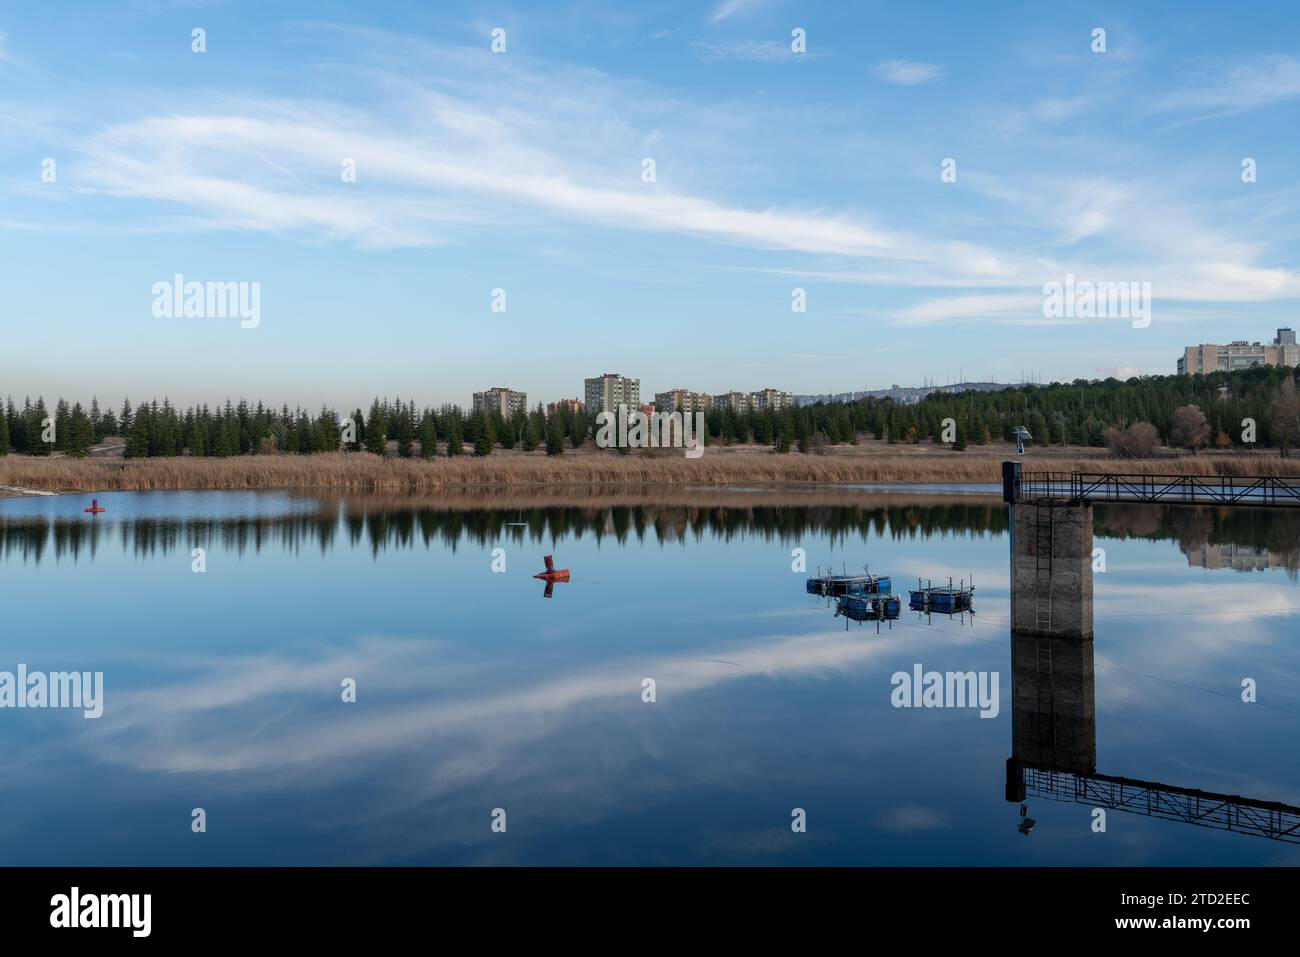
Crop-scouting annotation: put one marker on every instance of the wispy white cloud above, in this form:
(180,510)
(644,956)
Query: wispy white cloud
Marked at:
(727,9)
(757,51)
(1007,308)
(1262,81)
(451,153)
(206,723)
(907,72)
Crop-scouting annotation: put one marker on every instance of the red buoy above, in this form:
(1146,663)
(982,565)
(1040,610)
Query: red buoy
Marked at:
(553,574)
(94,507)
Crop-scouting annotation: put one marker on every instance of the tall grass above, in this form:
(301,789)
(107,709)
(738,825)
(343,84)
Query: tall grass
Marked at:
(362,471)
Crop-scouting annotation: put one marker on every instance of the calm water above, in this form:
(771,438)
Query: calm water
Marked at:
(475,692)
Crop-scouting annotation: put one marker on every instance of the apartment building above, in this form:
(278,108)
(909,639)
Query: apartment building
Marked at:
(760,401)
(683,401)
(607,392)
(500,399)
(1228,357)
(572,406)
(773,399)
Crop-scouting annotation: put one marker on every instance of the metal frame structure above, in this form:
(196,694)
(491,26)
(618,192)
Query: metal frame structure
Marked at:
(1261,490)
(1223,812)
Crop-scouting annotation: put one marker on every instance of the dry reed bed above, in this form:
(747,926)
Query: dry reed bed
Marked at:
(364,472)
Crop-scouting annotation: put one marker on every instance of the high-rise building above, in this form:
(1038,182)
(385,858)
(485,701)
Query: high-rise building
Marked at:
(607,392)
(683,401)
(773,399)
(500,399)
(732,402)
(1210,357)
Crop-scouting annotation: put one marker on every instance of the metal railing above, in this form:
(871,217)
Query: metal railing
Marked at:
(1172,489)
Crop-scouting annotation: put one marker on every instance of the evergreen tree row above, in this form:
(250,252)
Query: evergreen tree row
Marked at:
(1079,413)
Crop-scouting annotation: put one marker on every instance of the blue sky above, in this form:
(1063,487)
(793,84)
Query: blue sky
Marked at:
(522,170)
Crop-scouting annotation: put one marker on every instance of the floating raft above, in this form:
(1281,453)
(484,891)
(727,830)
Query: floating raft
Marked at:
(947,599)
(869,607)
(837,585)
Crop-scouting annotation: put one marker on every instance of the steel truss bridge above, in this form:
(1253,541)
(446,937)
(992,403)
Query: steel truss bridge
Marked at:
(1088,487)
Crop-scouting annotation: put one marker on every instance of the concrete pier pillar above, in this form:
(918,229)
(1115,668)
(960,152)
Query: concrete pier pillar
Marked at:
(1051,569)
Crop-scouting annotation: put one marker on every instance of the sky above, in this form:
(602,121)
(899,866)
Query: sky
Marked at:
(525,171)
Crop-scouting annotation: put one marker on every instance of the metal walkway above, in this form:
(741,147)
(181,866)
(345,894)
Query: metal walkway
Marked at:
(1089,487)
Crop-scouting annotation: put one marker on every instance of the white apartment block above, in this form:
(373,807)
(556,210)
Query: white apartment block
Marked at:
(1228,357)
(607,392)
(773,399)
(732,402)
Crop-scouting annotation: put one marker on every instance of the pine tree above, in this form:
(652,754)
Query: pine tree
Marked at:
(376,440)
(62,425)
(126,421)
(481,430)
(81,432)
(455,443)
(555,436)
(428,435)
(37,429)
(137,443)
(405,434)
(4,430)
(199,434)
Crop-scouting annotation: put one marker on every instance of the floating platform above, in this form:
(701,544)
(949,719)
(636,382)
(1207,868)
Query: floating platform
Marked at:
(947,599)
(837,585)
(884,607)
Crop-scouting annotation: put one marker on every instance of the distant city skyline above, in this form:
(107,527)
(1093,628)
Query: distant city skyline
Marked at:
(652,190)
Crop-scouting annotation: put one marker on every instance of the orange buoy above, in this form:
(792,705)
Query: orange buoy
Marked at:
(553,574)
(94,507)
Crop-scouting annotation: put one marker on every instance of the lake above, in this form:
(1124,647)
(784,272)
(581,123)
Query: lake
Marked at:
(494,724)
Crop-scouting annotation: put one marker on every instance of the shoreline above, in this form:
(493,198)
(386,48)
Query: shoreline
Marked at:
(871,466)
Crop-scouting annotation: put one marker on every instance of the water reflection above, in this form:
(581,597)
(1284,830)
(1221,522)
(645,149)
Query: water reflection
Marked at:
(1054,750)
(1054,712)
(224,688)
(1243,539)
(396,526)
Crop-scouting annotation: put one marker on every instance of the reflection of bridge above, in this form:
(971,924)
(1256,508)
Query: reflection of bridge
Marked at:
(1225,812)
(1053,697)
